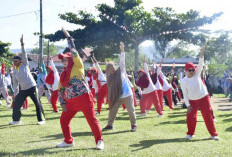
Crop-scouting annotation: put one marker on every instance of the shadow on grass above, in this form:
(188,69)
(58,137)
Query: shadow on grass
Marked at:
(175,116)
(43,151)
(227,120)
(225,115)
(149,143)
(52,118)
(172,122)
(13,126)
(224,105)
(228,109)
(229,129)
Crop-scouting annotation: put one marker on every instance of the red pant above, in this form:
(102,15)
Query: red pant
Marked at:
(102,93)
(85,104)
(135,101)
(161,98)
(149,99)
(206,112)
(168,94)
(54,98)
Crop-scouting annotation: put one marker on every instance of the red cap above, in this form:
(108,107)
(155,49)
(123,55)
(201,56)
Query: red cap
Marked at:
(141,70)
(189,65)
(66,55)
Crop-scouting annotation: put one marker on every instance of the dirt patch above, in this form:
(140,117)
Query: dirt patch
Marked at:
(221,104)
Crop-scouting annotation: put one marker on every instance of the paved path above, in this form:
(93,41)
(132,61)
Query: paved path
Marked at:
(221,104)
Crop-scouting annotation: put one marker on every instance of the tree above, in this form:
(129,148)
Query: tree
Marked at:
(179,50)
(54,50)
(5,53)
(103,36)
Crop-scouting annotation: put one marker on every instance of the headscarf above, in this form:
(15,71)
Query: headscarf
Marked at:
(95,76)
(50,77)
(143,81)
(114,83)
(65,75)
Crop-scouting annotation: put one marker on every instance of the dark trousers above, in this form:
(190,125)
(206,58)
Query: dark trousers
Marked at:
(19,100)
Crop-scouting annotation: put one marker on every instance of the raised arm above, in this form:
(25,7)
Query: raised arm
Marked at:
(75,55)
(53,66)
(122,58)
(95,63)
(201,62)
(24,54)
(146,67)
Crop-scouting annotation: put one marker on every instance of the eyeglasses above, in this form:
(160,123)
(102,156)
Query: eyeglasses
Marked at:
(191,70)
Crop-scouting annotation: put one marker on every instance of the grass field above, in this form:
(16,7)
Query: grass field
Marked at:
(155,136)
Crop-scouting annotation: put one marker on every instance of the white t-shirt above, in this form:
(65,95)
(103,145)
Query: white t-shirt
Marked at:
(193,88)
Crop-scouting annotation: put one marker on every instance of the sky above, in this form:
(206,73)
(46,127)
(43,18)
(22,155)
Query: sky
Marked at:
(12,27)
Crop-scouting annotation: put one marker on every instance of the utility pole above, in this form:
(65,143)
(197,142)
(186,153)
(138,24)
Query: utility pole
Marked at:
(41,35)
(48,57)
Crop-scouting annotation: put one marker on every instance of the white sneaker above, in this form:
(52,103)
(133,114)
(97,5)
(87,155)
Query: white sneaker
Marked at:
(15,123)
(100,145)
(214,138)
(215,120)
(160,115)
(41,122)
(189,137)
(64,144)
(143,114)
(0,103)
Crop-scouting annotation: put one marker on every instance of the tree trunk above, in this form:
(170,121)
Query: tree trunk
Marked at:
(136,57)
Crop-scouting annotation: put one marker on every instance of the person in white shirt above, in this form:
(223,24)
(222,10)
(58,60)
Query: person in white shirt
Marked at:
(52,82)
(149,92)
(167,88)
(100,79)
(119,91)
(195,97)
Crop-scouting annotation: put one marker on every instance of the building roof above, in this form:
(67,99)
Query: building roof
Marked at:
(183,60)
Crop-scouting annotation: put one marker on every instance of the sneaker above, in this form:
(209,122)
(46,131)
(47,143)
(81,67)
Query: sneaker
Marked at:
(0,103)
(214,138)
(64,144)
(189,137)
(134,128)
(108,127)
(55,111)
(15,123)
(41,122)
(160,115)
(143,114)
(100,145)
(97,113)
(215,120)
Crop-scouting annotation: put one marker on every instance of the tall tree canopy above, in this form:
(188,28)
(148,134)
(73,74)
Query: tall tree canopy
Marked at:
(5,53)
(104,36)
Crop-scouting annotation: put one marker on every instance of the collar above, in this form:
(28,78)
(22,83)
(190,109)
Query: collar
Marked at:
(17,68)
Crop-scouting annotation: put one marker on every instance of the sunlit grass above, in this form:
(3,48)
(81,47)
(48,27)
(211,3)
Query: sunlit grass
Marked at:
(155,136)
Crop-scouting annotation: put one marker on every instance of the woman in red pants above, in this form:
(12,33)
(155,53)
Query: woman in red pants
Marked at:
(75,96)
(195,97)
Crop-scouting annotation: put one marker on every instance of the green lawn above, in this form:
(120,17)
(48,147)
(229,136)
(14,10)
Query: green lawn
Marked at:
(155,136)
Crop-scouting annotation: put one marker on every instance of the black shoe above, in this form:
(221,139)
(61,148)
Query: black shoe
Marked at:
(108,127)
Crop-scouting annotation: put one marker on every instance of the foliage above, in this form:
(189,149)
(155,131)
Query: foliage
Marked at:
(180,50)
(103,36)
(54,50)
(5,53)
(215,68)
(218,54)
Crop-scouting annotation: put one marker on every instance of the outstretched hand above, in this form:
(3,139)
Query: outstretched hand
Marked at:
(122,47)
(65,32)
(21,40)
(202,51)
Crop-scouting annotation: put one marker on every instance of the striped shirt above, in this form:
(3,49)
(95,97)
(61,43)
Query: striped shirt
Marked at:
(22,75)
